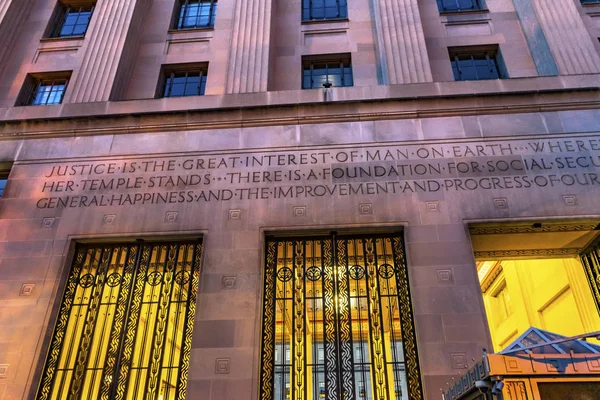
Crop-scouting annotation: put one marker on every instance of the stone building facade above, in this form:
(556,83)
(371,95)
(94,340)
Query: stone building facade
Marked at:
(358,121)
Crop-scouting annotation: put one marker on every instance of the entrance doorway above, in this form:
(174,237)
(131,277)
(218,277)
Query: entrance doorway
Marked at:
(337,320)
(538,277)
(124,329)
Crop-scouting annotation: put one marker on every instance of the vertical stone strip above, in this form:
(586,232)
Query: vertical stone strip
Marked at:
(568,38)
(250,44)
(110,33)
(403,41)
(12,16)
(536,39)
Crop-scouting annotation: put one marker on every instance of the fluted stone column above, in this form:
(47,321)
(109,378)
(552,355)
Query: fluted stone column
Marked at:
(109,41)
(250,46)
(12,16)
(402,41)
(567,36)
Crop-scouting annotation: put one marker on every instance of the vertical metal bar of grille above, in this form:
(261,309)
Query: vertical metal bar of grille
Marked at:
(337,320)
(590,259)
(97,336)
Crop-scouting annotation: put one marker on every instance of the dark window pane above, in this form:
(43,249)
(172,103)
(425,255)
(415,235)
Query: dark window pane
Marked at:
(185,84)
(2,186)
(74,23)
(478,66)
(331,73)
(197,14)
(324,9)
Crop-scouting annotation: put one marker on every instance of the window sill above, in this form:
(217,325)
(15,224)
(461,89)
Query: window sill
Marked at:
(465,12)
(62,39)
(191,30)
(324,21)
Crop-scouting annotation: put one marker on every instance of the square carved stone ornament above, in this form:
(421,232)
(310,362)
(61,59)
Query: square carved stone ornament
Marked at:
(365,209)
(4,371)
(222,366)
(27,289)
(300,211)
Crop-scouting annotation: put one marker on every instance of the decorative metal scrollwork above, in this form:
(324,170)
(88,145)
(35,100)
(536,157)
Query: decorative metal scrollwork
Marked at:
(343,305)
(356,272)
(114,279)
(109,371)
(386,271)
(314,273)
(182,277)
(154,278)
(87,280)
(285,274)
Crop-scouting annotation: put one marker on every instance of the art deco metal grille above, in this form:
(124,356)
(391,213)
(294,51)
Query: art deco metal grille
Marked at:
(124,328)
(591,263)
(337,320)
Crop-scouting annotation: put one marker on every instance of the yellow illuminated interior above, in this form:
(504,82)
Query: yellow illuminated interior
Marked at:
(367,307)
(549,294)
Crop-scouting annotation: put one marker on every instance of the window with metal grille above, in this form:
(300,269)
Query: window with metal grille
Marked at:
(192,14)
(324,9)
(337,320)
(124,328)
(459,5)
(326,71)
(181,81)
(71,19)
(475,65)
(43,89)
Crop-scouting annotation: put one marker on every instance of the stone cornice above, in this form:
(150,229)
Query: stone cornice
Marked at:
(304,107)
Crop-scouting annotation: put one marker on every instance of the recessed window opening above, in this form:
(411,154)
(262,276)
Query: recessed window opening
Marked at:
(4,172)
(44,89)
(183,80)
(71,19)
(459,5)
(471,64)
(324,9)
(327,71)
(192,14)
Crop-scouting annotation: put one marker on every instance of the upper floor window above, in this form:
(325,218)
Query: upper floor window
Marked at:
(181,81)
(590,1)
(326,71)
(475,65)
(71,19)
(44,89)
(459,5)
(193,14)
(324,9)
(2,185)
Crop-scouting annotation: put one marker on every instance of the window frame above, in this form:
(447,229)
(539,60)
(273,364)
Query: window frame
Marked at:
(32,84)
(176,23)
(60,15)
(170,70)
(340,59)
(490,53)
(310,12)
(478,5)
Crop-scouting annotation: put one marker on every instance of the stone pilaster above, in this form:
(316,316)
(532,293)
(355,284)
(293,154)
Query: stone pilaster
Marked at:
(403,41)
(111,37)
(12,17)
(250,45)
(568,38)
